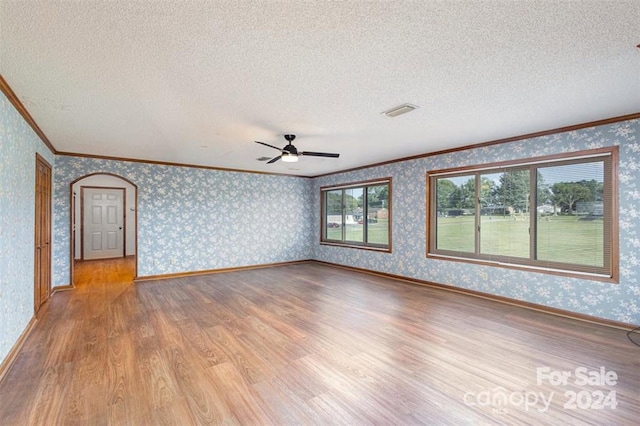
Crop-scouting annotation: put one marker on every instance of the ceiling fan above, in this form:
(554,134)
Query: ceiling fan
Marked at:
(290,154)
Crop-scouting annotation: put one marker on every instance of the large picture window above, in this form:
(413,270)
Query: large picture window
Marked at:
(556,214)
(357,214)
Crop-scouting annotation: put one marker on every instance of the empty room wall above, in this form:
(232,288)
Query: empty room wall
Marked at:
(194,219)
(619,302)
(18,147)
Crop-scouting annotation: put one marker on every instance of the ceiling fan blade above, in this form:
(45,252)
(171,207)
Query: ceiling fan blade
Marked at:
(320,154)
(274,159)
(270,146)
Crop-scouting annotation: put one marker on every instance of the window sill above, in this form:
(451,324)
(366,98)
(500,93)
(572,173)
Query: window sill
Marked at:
(357,246)
(530,268)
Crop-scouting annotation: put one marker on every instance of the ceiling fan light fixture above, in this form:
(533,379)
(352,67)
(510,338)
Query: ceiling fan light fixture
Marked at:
(290,154)
(399,110)
(289,158)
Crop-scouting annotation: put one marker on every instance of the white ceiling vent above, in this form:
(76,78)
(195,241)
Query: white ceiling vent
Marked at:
(399,110)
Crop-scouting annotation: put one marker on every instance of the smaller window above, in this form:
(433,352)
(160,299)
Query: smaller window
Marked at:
(357,215)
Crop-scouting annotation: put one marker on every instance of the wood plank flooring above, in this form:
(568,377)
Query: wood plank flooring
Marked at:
(304,344)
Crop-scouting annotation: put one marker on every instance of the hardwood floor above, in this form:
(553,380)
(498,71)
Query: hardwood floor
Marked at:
(305,344)
(93,272)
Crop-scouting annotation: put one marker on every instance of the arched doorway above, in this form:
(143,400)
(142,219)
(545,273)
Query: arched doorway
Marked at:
(83,193)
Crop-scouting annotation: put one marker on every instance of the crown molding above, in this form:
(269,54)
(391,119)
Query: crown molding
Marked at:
(574,127)
(19,106)
(15,101)
(169,163)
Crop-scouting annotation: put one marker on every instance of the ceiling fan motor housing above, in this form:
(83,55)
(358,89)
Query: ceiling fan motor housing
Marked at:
(291,149)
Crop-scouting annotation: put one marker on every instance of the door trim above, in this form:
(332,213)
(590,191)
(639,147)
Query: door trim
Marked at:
(72,244)
(124,216)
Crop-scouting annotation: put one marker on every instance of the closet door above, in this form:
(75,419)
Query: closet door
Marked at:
(42,263)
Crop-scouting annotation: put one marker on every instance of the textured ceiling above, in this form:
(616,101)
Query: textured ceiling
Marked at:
(197,82)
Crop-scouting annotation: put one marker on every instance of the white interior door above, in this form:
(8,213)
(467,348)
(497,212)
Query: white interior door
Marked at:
(103,222)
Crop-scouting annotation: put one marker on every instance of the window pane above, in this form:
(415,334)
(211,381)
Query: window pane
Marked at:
(455,221)
(504,213)
(570,213)
(555,214)
(357,215)
(333,215)
(354,229)
(378,214)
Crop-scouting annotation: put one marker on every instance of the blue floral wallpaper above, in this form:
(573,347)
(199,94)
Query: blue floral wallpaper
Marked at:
(193,219)
(619,302)
(18,147)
